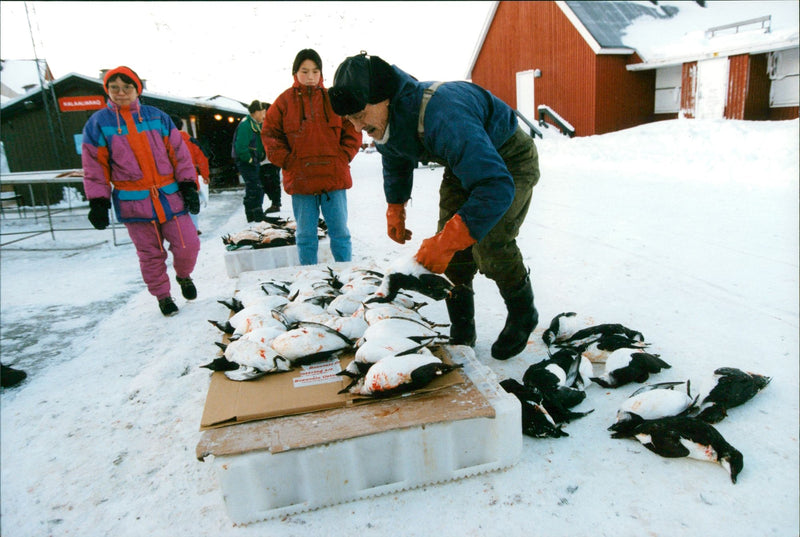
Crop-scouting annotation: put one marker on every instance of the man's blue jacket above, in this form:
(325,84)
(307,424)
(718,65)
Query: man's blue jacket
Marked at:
(464,128)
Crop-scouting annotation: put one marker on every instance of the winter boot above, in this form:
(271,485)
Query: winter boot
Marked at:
(461,309)
(521,321)
(254,215)
(188,290)
(167,306)
(11,377)
(273,209)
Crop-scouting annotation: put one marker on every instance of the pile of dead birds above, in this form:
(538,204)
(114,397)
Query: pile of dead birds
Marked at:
(665,419)
(272,232)
(318,314)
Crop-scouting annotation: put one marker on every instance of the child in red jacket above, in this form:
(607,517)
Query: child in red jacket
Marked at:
(313,146)
(200,165)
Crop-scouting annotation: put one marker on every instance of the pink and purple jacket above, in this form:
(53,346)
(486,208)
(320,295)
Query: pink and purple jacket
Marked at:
(134,156)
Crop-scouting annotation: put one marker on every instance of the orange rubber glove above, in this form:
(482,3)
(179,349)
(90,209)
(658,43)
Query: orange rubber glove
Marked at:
(436,252)
(396,223)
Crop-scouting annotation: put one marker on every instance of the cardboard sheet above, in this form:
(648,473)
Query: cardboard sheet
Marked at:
(450,403)
(307,389)
(453,403)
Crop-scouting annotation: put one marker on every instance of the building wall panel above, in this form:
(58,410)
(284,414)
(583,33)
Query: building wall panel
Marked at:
(784,113)
(688,89)
(756,106)
(738,78)
(28,143)
(624,98)
(537,35)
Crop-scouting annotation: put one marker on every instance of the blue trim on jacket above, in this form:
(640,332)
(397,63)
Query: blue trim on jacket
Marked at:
(127,195)
(134,195)
(465,126)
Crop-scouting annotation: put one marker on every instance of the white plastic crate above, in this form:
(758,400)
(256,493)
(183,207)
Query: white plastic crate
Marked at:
(260,484)
(248,259)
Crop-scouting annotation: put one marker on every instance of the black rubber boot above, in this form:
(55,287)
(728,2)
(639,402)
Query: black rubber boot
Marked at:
(254,215)
(521,321)
(461,309)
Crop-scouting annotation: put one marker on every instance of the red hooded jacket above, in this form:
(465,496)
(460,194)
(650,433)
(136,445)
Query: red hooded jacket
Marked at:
(198,158)
(304,137)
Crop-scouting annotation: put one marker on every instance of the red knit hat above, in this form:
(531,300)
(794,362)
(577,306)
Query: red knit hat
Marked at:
(122,70)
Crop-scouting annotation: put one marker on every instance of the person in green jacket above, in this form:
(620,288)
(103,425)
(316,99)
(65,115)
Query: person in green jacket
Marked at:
(248,151)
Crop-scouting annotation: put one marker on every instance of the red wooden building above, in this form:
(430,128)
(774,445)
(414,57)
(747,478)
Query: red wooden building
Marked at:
(575,59)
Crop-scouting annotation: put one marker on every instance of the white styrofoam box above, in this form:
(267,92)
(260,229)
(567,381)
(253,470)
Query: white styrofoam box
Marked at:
(247,259)
(258,485)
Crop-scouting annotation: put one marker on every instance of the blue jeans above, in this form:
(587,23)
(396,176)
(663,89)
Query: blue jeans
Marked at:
(334,210)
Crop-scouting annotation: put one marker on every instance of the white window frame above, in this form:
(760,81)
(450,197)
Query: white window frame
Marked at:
(668,90)
(783,68)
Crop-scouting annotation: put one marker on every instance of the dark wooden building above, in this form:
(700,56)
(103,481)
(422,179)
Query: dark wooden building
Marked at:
(572,58)
(41,130)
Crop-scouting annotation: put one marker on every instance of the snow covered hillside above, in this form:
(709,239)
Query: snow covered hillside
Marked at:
(685,230)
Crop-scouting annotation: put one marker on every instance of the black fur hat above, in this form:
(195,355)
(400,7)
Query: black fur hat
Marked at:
(361,80)
(306,54)
(256,105)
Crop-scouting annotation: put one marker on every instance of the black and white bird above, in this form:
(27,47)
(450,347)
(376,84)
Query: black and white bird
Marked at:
(407,273)
(536,420)
(400,373)
(589,334)
(561,328)
(682,436)
(654,401)
(629,365)
(733,388)
(558,397)
(601,348)
(570,360)
(594,342)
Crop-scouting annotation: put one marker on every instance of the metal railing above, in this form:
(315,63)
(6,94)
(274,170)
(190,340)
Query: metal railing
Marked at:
(534,130)
(765,22)
(46,177)
(562,124)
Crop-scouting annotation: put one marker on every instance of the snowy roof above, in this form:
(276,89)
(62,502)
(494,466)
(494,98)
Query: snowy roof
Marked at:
(606,21)
(668,33)
(16,75)
(220,100)
(217,102)
(676,31)
(721,28)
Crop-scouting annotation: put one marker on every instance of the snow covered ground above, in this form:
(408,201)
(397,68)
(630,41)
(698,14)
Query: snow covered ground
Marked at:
(686,230)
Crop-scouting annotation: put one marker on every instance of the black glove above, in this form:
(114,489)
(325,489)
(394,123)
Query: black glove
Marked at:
(190,197)
(98,212)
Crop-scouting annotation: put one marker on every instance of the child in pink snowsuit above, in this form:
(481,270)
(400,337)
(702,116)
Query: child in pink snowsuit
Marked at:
(134,156)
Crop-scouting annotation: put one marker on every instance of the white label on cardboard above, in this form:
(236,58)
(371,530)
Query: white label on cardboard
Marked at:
(320,373)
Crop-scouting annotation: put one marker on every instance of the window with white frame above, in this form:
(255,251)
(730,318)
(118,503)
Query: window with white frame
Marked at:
(784,73)
(668,90)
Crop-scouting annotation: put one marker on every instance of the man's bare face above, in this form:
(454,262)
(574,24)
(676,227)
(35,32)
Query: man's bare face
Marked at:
(373,119)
